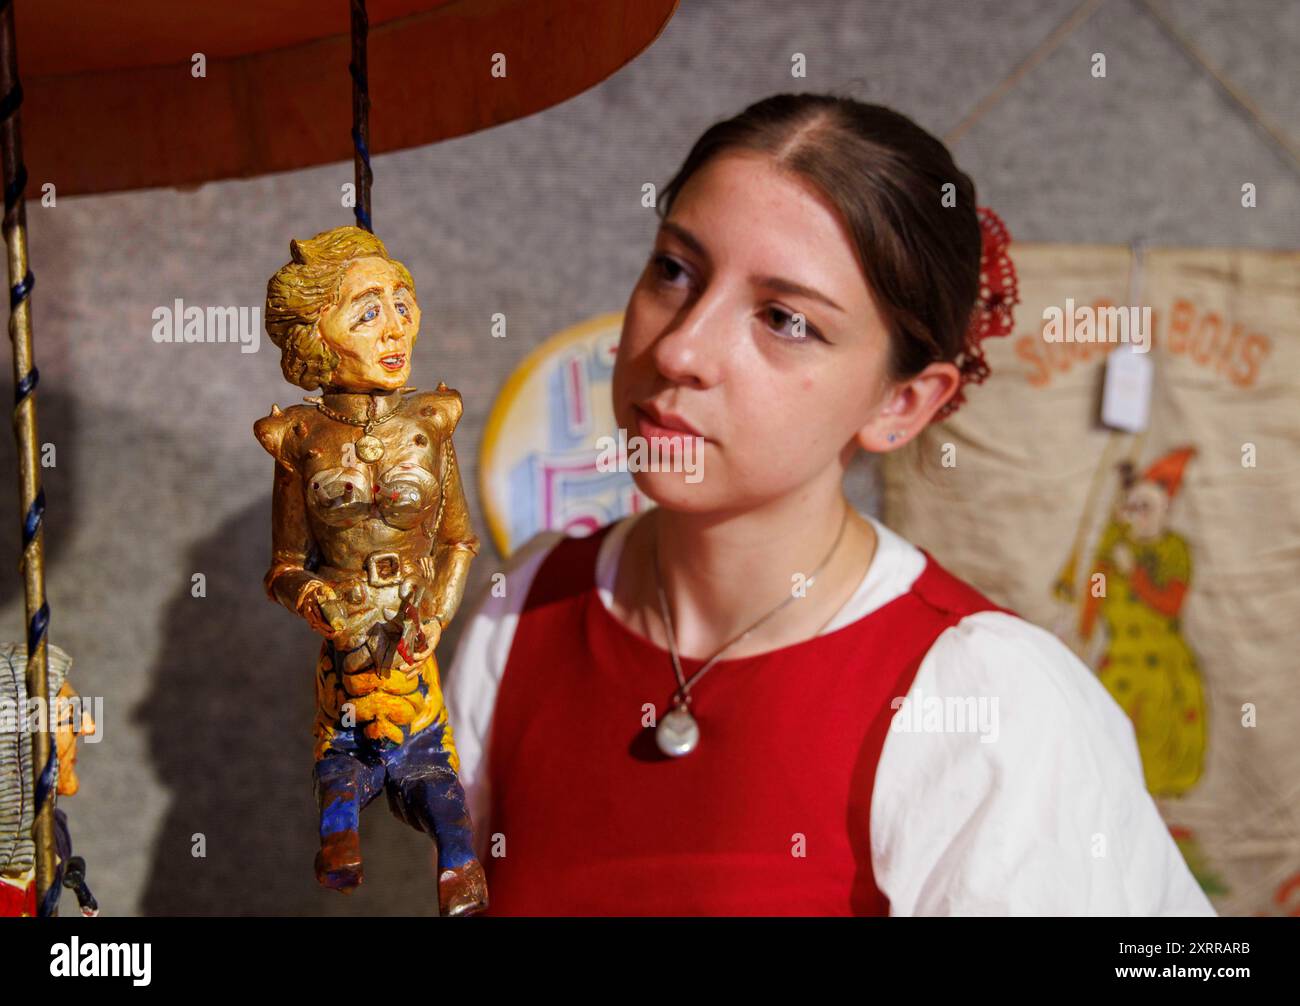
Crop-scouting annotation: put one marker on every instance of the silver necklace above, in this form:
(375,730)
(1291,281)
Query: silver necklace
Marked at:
(678,733)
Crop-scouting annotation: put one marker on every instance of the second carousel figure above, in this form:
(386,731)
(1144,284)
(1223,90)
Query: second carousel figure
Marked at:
(371,544)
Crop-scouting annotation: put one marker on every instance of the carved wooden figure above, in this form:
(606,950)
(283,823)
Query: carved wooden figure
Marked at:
(371,544)
(17,790)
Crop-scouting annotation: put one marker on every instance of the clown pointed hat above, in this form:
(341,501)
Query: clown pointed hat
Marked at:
(1167,472)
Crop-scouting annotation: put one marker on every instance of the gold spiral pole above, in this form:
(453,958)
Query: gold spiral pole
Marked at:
(31,496)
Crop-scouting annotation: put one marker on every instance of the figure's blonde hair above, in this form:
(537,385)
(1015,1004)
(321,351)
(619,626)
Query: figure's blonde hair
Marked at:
(300,290)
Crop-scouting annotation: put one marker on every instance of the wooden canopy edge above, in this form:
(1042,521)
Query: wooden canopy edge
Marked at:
(430,79)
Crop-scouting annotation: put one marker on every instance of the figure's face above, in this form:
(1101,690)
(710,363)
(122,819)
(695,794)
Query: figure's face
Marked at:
(711,334)
(1144,509)
(65,739)
(372,326)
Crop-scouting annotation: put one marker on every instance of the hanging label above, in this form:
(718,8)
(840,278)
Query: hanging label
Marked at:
(1126,394)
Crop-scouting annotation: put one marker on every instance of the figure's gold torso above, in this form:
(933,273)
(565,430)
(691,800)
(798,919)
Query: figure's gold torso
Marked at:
(355,508)
(334,510)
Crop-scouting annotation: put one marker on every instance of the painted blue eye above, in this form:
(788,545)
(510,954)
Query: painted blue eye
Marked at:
(402,309)
(370,314)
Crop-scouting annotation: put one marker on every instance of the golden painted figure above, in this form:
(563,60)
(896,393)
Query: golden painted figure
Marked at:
(371,544)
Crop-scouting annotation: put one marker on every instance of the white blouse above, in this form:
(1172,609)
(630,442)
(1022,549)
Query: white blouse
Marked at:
(1035,806)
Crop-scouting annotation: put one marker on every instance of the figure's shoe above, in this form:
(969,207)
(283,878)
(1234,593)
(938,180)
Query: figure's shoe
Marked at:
(462,890)
(338,864)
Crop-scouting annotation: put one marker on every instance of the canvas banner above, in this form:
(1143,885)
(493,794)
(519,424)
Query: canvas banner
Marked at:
(1168,557)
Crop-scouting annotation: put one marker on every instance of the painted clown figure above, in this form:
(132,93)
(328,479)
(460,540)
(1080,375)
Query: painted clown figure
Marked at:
(1147,666)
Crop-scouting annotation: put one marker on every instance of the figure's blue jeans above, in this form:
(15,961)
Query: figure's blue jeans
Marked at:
(422,788)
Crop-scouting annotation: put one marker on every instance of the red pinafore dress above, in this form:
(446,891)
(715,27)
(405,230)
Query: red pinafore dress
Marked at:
(769,815)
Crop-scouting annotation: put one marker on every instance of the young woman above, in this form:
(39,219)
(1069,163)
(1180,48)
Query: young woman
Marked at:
(725,704)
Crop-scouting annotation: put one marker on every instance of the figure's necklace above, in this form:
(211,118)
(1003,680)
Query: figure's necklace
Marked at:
(678,733)
(369,447)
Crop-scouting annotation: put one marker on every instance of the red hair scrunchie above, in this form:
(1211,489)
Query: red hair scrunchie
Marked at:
(992,315)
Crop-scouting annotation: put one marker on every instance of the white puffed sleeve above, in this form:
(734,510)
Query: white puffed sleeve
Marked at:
(1036,806)
(470,685)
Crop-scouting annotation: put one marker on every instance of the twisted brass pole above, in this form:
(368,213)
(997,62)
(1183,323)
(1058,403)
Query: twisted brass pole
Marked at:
(31,495)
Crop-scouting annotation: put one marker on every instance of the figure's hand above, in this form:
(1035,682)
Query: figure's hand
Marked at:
(432,631)
(318,592)
(357,628)
(1122,556)
(344,625)
(429,624)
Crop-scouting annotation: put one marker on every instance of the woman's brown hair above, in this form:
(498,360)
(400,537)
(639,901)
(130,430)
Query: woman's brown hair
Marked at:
(909,209)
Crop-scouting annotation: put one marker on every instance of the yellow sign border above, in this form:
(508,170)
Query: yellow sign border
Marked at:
(501,406)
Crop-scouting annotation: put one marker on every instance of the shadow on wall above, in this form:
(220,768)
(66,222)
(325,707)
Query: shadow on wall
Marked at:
(228,716)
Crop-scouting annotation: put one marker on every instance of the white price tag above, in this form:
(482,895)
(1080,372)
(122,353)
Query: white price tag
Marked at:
(1126,394)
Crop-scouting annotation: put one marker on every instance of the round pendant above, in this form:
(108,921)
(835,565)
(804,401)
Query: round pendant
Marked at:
(677,733)
(369,448)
